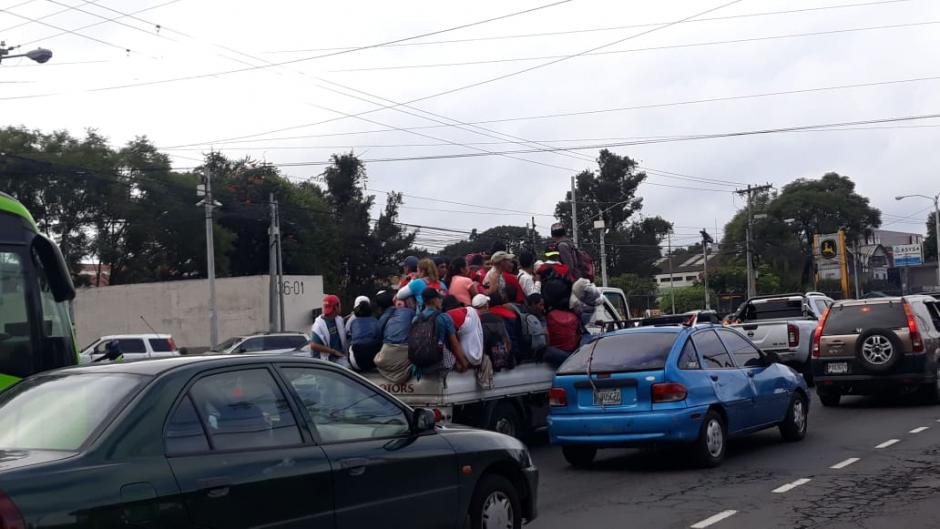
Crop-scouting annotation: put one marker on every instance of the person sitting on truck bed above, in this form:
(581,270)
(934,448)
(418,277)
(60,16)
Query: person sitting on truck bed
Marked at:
(409,270)
(442,265)
(395,324)
(328,333)
(461,286)
(501,276)
(527,273)
(510,318)
(564,336)
(585,298)
(496,342)
(454,357)
(426,278)
(365,336)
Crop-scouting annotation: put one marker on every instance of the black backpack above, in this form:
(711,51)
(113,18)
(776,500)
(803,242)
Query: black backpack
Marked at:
(494,329)
(556,288)
(424,350)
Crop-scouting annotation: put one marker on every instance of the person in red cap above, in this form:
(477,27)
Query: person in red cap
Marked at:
(328,333)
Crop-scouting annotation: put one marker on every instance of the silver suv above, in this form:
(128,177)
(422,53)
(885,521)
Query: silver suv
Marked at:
(273,343)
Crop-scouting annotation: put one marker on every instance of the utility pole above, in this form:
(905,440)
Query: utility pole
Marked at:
(205,191)
(751,280)
(280,267)
(706,238)
(534,236)
(672,284)
(858,293)
(272,267)
(600,225)
(574,211)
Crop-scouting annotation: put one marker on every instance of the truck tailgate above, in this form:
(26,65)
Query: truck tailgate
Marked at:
(767,335)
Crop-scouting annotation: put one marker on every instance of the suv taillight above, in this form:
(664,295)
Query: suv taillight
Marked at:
(10,517)
(669,392)
(817,334)
(557,397)
(793,335)
(917,342)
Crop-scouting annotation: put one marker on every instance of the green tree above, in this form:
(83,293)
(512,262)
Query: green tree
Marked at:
(692,298)
(812,207)
(641,291)
(392,241)
(610,194)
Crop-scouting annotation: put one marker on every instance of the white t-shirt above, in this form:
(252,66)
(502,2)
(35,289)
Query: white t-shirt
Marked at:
(528,283)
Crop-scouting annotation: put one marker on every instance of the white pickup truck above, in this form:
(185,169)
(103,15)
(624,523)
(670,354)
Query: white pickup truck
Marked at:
(784,324)
(518,402)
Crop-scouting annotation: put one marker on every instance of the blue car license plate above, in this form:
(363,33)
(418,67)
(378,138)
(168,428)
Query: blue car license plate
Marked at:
(607,397)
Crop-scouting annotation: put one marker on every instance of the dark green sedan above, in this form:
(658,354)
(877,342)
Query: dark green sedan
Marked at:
(232,442)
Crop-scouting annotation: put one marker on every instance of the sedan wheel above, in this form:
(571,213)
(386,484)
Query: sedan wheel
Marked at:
(793,427)
(710,447)
(495,504)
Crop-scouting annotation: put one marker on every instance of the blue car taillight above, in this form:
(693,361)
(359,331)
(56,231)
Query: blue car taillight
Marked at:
(669,392)
(557,397)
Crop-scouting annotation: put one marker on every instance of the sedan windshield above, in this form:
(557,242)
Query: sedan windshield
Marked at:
(60,412)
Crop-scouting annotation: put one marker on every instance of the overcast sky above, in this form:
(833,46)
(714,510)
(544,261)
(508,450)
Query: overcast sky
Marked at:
(659,66)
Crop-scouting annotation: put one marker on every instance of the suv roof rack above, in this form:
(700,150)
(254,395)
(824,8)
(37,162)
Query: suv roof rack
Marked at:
(791,295)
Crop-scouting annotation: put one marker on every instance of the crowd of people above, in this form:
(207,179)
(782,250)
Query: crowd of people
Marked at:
(485,312)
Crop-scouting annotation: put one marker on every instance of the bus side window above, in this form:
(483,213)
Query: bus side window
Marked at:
(16,348)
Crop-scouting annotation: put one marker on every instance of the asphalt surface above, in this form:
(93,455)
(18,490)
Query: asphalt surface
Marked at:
(895,486)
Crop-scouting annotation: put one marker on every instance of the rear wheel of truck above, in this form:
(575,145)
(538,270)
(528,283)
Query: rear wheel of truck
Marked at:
(505,419)
(579,456)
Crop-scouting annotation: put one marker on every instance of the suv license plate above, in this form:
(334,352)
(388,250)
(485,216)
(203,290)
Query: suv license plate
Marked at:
(837,368)
(607,397)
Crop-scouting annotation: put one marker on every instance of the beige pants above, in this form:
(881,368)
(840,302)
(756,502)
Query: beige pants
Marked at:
(392,363)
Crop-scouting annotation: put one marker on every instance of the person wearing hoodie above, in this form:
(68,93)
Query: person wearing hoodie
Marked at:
(585,298)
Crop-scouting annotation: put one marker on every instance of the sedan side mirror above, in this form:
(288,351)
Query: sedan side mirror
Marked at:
(423,420)
(770,358)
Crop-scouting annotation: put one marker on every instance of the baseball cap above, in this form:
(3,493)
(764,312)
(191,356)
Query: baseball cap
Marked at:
(410,262)
(480,301)
(330,299)
(430,293)
(501,256)
(361,299)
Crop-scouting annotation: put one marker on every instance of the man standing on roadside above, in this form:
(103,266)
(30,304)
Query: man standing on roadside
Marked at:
(328,333)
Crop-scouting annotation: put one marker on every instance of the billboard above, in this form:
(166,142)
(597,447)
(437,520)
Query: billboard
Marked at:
(908,255)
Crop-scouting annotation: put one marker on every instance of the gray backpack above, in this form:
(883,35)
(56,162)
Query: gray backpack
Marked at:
(534,336)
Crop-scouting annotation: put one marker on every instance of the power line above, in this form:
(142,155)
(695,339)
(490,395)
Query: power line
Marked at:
(492,79)
(634,50)
(68,31)
(611,28)
(597,111)
(625,144)
(292,61)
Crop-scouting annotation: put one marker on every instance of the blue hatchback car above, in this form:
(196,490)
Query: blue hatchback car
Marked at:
(698,385)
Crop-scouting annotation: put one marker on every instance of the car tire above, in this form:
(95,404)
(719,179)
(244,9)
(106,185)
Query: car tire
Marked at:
(878,350)
(579,456)
(829,398)
(495,503)
(505,419)
(793,427)
(709,449)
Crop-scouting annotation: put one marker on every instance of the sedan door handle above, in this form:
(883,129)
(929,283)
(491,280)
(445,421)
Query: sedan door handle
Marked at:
(356,466)
(215,487)
(714,377)
(750,374)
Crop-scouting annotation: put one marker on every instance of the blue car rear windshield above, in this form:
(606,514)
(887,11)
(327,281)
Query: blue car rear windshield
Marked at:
(621,353)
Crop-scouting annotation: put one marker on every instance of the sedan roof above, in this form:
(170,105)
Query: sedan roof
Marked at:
(157,366)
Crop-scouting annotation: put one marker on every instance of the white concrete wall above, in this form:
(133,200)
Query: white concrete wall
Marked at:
(181,308)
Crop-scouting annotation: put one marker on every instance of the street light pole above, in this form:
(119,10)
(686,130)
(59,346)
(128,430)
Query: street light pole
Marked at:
(205,191)
(40,55)
(936,219)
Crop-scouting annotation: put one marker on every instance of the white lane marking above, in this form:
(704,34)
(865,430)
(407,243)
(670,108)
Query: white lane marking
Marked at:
(845,463)
(790,486)
(712,520)
(888,443)
(920,429)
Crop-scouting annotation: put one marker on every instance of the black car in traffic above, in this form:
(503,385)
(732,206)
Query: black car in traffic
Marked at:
(237,442)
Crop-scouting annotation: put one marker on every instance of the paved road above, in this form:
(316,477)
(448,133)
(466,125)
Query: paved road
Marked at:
(889,487)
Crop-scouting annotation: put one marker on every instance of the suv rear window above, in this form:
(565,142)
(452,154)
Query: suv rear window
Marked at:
(622,353)
(768,309)
(849,319)
(160,345)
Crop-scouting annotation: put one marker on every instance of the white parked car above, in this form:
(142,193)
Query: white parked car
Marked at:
(273,343)
(133,347)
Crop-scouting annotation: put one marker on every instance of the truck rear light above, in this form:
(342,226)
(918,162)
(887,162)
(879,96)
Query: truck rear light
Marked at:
(557,397)
(669,392)
(793,335)
(917,342)
(817,334)
(10,517)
